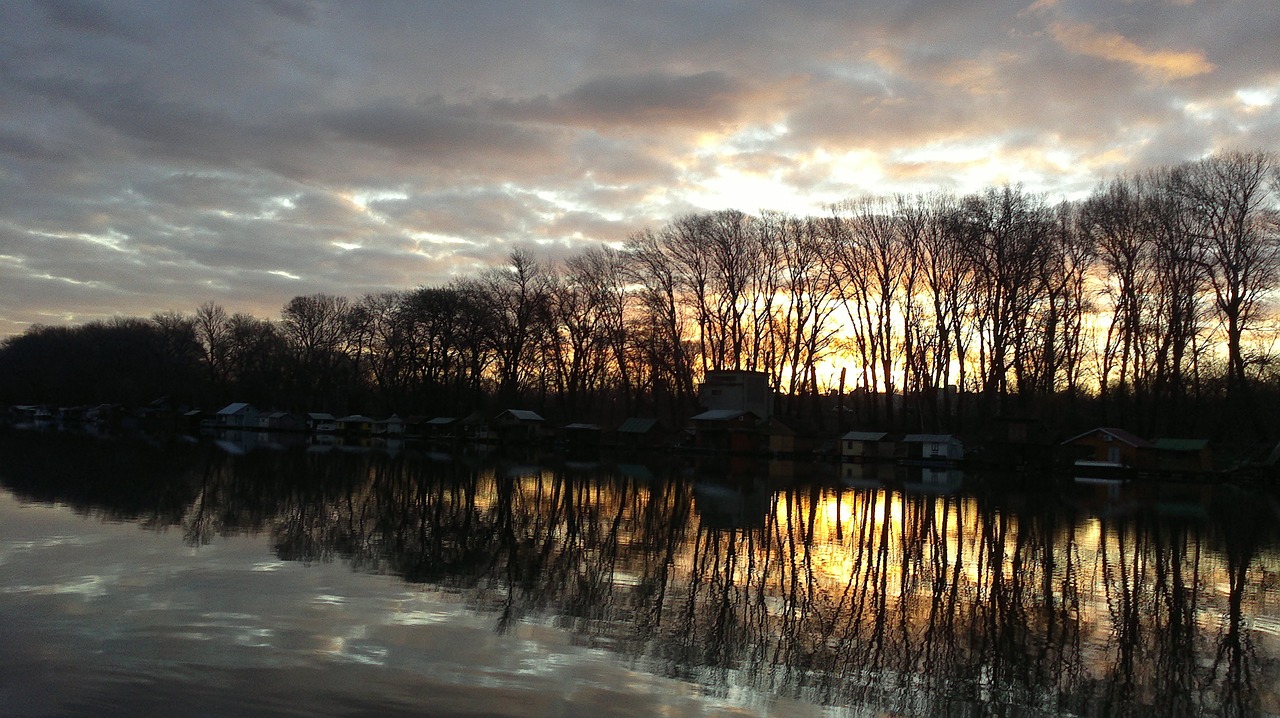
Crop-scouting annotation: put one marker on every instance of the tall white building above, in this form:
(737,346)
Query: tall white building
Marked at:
(737,390)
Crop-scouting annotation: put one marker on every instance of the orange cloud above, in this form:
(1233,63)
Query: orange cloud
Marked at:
(1158,64)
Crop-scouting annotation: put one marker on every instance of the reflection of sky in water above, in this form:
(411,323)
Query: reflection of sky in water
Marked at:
(106,618)
(543,591)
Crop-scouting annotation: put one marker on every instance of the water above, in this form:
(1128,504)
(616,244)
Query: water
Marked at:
(148,579)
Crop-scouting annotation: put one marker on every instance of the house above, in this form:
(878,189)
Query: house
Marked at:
(441,427)
(356,424)
(393,427)
(737,390)
(237,416)
(782,438)
(518,425)
(1113,447)
(281,421)
(867,446)
(729,430)
(931,447)
(197,419)
(1181,456)
(475,426)
(321,423)
(639,432)
(581,436)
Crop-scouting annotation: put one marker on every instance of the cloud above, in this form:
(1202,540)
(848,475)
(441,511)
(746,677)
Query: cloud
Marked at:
(1114,47)
(158,155)
(654,99)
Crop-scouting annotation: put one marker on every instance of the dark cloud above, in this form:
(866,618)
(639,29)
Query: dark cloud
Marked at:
(651,100)
(92,18)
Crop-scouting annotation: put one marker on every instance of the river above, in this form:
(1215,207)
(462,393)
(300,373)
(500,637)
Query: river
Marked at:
(148,577)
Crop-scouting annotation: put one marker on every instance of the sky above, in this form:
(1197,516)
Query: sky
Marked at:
(158,155)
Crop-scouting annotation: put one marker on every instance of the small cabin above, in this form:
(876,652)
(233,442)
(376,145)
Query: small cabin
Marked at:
(393,426)
(581,435)
(237,416)
(639,433)
(441,427)
(356,424)
(518,425)
(782,438)
(932,447)
(867,446)
(321,423)
(280,421)
(1183,456)
(729,430)
(1114,447)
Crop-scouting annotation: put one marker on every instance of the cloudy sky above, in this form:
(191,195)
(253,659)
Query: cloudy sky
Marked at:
(156,155)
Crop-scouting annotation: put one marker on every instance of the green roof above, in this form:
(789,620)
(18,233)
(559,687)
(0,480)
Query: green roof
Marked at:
(1180,444)
(637,425)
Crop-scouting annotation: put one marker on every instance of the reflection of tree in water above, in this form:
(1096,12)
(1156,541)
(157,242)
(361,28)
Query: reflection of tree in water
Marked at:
(904,603)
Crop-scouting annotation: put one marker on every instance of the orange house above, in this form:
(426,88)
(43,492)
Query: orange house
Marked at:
(1115,447)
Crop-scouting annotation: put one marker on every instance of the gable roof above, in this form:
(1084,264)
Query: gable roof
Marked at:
(637,425)
(720,415)
(1120,435)
(441,421)
(929,439)
(235,408)
(523,414)
(864,436)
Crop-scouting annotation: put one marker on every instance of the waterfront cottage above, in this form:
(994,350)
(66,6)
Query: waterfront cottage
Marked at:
(729,430)
(867,446)
(932,447)
(239,415)
(1112,446)
(518,425)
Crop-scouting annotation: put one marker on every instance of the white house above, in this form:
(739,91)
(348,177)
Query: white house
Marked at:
(237,416)
(933,447)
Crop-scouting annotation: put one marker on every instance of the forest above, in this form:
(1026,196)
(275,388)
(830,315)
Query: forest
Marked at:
(1148,304)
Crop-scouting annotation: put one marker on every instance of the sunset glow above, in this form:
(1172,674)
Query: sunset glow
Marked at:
(153,158)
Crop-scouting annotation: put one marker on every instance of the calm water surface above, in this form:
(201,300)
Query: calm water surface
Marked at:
(206,579)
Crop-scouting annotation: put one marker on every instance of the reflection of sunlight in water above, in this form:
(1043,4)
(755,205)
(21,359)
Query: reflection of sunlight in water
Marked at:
(348,649)
(422,618)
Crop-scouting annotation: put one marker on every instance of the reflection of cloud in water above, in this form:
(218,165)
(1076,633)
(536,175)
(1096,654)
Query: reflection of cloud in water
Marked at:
(87,586)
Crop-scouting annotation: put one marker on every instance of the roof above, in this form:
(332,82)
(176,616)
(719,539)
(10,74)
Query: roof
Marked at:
(637,425)
(235,408)
(582,427)
(777,428)
(354,418)
(523,414)
(441,421)
(1118,434)
(929,438)
(319,416)
(720,415)
(865,436)
(1181,444)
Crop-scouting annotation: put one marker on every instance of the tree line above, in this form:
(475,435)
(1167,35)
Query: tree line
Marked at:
(1145,304)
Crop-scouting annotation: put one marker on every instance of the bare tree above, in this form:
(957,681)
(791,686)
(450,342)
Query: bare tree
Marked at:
(1232,197)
